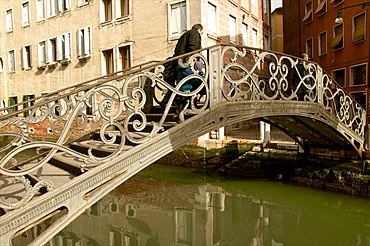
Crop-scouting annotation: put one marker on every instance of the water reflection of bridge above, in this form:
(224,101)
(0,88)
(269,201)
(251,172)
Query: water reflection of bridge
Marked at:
(163,212)
(104,131)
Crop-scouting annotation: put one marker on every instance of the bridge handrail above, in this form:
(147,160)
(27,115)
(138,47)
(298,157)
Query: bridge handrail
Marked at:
(121,100)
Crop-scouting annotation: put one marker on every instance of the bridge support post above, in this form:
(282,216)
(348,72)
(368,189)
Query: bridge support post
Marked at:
(215,76)
(319,85)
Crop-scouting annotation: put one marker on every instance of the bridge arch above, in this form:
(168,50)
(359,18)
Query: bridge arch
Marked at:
(297,119)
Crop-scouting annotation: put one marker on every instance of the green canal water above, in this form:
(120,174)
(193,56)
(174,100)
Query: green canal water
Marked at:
(169,205)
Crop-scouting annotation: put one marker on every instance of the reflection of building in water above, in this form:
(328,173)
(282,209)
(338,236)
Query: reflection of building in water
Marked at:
(149,212)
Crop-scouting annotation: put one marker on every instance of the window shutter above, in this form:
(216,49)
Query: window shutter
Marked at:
(212,19)
(79,42)
(9,21)
(338,36)
(48,51)
(23,57)
(60,48)
(67,45)
(61,5)
(175,20)
(25,13)
(183,17)
(39,9)
(87,40)
(359,25)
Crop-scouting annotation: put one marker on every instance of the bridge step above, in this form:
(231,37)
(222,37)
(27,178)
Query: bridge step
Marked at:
(98,148)
(138,135)
(67,162)
(51,173)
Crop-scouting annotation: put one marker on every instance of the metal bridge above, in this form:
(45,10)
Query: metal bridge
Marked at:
(73,146)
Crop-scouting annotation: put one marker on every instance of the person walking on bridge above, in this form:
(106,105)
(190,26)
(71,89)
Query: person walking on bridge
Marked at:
(188,42)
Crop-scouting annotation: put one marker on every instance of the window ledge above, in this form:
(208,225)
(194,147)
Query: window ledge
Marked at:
(63,12)
(84,58)
(124,18)
(83,4)
(357,42)
(339,48)
(358,85)
(41,67)
(52,65)
(213,36)
(234,3)
(27,68)
(106,23)
(65,62)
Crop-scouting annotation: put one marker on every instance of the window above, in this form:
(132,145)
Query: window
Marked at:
(83,2)
(11,58)
(95,210)
(321,7)
(112,10)
(28,104)
(107,10)
(307,12)
(84,42)
(51,7)
(360,98)
(124,58)
(245,34)
(63,5)
(64,47)
(108,67)
(9,20)
(26,57)
(232,28)
(42,53)
(52,50)
(336,2)
(338,37)
(309,48)
(12,101)
(340,76)
(26,14)
(266,43)
(322,43)
(254,38)
(1,64)
(123,8)
(254,7)
(118,236)
(178,19)
(359,28)
(184,227)
(358,75)
(90,105)
(212,19)
(41,9)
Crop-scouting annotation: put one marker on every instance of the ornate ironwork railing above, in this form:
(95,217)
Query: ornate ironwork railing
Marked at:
(264,75)
(119,105)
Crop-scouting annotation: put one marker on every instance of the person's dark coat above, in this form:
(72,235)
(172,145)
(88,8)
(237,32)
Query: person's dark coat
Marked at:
(188,42)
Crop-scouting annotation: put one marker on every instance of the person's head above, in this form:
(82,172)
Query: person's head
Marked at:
(198,27)
(305,56)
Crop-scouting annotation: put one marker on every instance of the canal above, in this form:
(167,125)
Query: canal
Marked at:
(170,205)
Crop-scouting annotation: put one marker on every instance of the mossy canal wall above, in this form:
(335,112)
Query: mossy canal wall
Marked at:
(284,163)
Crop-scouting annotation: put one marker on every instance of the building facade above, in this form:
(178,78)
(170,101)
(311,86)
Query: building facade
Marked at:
(51,44)
(342,48)
(277,34)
